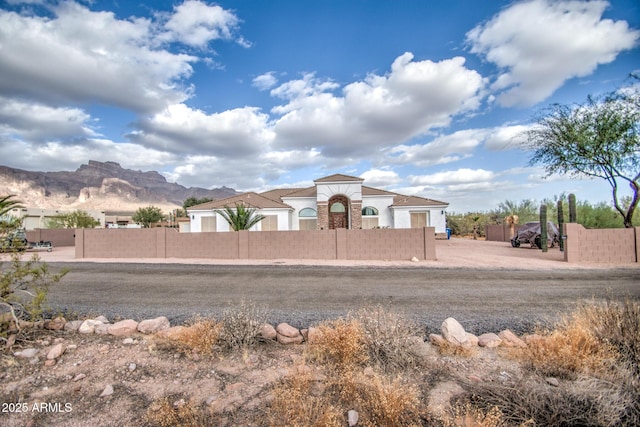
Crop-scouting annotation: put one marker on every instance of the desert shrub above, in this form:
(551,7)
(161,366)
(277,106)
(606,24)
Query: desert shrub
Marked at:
(570,349)
(24,286)
(617,324)
(381,400)
(386,335)
(340,343)
(294,404)
(242,323)
(180,413)
(449,349)
(531,401)
(200,335)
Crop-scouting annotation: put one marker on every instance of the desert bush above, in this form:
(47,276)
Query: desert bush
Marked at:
(294,404)
(617,324)
(24,286)
(381,400)
(386,335)
(570,349)
(200,335)
(242,323)
(340,343)
(180,413)
(531,401)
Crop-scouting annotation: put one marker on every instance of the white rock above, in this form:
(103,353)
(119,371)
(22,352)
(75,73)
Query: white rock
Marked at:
(287,330)
(102,319)
(489,340)
(453,332)
(268,332)
(89,326)
(27,353)
(108,391)
(352,417)
(73,325)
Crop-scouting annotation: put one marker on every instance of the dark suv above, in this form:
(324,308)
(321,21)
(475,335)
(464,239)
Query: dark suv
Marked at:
(15,240)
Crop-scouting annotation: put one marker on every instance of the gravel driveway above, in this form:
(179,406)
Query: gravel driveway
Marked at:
(487,286)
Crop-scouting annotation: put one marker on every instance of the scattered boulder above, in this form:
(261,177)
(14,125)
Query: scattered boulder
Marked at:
(287,334)
(437,339)
(55,352)
(489,340)
(170,333)
(56,324)
(108,391)
(89,326)
(73,325)
(268,332)
(151,326)
(472,340)
(417,347)
(509,339)
(123,328)
(102,319)
(453,332)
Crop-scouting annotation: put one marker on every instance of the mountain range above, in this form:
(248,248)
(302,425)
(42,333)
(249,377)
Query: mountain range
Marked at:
(105,186)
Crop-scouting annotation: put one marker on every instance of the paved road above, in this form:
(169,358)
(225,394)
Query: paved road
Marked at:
(482,300)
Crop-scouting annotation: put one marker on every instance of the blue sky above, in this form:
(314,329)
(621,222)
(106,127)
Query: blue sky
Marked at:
(419,97)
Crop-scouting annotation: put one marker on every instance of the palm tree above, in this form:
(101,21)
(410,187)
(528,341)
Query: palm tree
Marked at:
(240,218)
(6,204)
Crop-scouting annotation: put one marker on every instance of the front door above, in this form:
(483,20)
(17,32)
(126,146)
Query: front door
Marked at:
(338,212)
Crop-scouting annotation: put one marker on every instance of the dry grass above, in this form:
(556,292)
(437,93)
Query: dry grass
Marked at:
(386,334)
(201,336)
(467,415)
(339,343)
(381,401)
(180,413)
(531,401)
(449,349)
(570,349)
(294,404)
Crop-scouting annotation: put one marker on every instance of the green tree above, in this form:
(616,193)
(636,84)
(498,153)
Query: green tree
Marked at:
(76,219)
(147,216)
(600,139)
(193,201)
(240,217)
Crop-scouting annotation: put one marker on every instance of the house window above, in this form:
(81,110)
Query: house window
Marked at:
(208,223)
(419,219)
(270,223)
(307,219)
(338,207)
(369,217)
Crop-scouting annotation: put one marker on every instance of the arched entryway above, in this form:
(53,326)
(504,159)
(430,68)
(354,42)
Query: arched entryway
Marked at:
(338,212)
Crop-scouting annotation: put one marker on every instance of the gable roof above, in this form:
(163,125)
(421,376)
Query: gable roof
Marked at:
(405,201)
(304,192)
(338,177)
(250,199)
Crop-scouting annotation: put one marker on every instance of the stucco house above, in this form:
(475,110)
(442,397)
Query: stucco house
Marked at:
(336,201)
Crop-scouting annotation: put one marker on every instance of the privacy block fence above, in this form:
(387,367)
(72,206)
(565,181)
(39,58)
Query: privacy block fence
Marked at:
(377,244)
(610,245)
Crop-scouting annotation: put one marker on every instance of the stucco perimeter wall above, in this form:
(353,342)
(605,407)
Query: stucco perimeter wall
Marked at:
(57,236)
(610,245)
(377,244)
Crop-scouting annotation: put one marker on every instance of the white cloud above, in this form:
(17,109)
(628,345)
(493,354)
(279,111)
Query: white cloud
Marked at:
(239,133)
(195,23)
(380,178)
(506,137)
(539,44)
(265,81)
(443,149)
(40,123)
(83,56)
(455,177)
(378,112)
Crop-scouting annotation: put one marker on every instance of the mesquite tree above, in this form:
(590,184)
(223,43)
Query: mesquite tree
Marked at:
(600,138)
